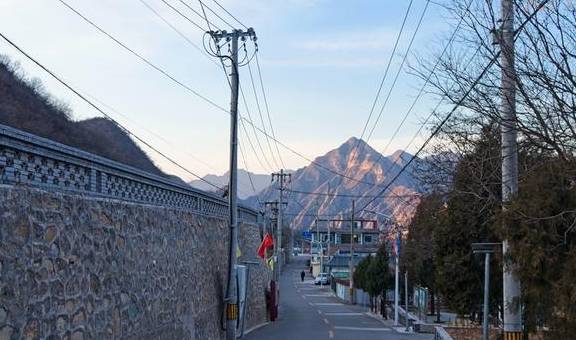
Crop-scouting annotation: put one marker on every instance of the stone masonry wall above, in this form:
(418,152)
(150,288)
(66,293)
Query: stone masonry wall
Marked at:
(73,267)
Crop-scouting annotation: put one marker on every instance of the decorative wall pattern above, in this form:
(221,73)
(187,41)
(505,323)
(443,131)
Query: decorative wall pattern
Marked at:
(26,159)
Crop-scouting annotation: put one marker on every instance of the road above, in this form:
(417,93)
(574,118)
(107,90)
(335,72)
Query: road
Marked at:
(312,312)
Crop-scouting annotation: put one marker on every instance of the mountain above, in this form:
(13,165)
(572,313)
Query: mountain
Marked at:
(318,187)
(26,105)
(244,185)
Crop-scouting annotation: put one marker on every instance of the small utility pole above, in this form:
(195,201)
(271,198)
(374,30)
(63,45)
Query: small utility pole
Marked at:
(487,249)
(231,295)
(505,37)
(352,222)
(397,279)
(406,301)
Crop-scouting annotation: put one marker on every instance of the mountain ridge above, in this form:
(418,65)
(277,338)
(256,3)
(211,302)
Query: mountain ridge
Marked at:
(355,169)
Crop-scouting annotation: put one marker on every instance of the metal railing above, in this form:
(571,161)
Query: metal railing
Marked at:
(30,160)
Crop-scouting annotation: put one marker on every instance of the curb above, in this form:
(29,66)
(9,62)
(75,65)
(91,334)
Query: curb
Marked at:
(249,330)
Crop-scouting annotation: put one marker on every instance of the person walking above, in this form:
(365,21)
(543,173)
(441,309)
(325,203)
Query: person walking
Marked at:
(302,275)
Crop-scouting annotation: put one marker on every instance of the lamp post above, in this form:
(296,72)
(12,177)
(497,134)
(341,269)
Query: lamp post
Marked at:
(487,249)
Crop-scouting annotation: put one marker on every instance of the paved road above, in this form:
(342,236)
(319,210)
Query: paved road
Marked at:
(312,312)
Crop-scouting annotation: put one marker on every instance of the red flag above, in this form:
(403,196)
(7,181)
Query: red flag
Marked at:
(267,242)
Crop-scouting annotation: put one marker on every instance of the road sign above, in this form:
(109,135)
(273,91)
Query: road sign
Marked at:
(307,235)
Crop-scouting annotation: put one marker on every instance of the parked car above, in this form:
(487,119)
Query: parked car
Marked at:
(322,279)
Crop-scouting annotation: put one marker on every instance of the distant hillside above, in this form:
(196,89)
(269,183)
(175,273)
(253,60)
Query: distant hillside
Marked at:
(312,186)
(25,105)
(244,186)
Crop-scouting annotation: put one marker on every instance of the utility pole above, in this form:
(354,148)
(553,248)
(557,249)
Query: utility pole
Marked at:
(397,279)
(512,309)
(406,301)
(231,289)
(274,208)
(352,253)
(282,179)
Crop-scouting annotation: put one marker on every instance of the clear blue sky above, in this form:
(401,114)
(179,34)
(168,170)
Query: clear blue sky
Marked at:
(321,61)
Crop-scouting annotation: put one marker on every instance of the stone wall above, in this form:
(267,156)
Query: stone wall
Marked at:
(73,267)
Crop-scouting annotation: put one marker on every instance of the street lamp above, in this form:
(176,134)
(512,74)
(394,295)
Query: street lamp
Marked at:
(487,249)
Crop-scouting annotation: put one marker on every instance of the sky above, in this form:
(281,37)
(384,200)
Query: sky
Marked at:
(321,63)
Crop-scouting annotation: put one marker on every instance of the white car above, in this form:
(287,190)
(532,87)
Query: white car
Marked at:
(322,279)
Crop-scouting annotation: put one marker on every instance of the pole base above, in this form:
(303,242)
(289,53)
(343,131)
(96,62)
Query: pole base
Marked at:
(512,335)
(273,301)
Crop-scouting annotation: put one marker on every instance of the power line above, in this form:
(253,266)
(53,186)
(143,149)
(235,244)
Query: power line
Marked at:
(260,114)
(230,14)
(186,87)
(247,136)
(457,105)
(97,108)
(188,40)
(204,53)
(184,16)
(355,148)
(347,195)
(420,92)
(143,59)
(399,69)
(182,35)
(175,29)
(213,12)
(268,109)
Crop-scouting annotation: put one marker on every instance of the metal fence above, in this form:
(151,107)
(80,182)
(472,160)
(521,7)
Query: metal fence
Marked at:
(26,159)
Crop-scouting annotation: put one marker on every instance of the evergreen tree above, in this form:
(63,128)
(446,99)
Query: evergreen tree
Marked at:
(417,253)
(472,205)
(541,224)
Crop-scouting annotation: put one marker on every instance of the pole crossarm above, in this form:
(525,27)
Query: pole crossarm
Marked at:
(483,248)
(237,33)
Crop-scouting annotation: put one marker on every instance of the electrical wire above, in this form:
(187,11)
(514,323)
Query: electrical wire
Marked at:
(268,109)
(143,59)
(97,108)
(213,12)
(399,69)
(260,115)
(230,14)
(348,195)
(354,152)
(420,93)
(175,29)
(457,104)
(189,89)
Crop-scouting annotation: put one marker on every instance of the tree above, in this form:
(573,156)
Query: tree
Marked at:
(543,246)
(378,275)
(471,207)
(417,255)
(361,280)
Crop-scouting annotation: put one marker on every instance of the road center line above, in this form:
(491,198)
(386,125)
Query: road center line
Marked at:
(362,329)
(327,304)
(344,314)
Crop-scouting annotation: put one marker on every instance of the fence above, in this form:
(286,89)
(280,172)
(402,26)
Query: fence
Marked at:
(26,159)
(342,291)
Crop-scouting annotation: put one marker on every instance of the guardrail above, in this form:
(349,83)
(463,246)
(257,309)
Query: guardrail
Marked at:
(27,159)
